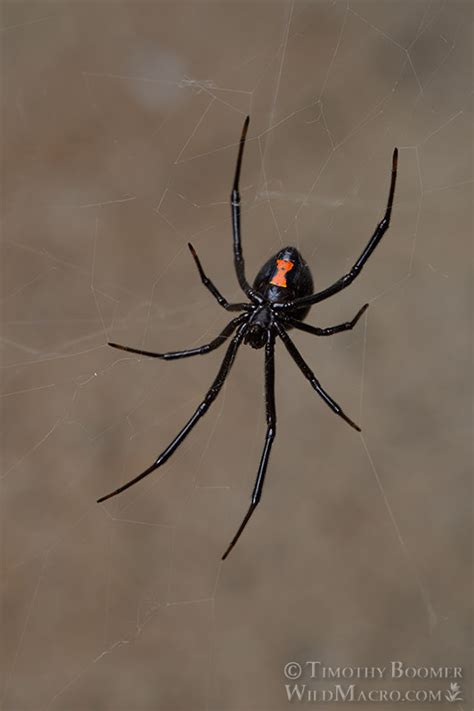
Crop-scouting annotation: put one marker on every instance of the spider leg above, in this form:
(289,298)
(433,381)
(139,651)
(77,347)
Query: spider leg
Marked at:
(235,206)
(270,436)
(200,350)
(308,373)
(330,330)
(214,291)
(348,278)
(209,398)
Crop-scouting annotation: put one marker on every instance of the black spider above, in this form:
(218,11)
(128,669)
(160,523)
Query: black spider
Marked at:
(280,299)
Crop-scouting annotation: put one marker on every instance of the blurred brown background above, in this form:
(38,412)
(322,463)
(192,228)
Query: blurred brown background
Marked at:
(120,129)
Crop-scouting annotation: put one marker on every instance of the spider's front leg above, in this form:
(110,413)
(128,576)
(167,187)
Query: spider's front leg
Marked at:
(270,436)
(200,350)
(308,373)
(201,410)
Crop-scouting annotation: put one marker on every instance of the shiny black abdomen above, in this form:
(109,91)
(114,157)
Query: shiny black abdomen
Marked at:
(285,277)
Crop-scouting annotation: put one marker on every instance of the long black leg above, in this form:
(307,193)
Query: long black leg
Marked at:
(308,373)
(209,398)
(200,350)
(235,206)
(330,330)
(214,291)
(348,278)
(270,436)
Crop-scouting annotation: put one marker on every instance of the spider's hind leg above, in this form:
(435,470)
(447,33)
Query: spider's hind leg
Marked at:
(213,289)
(239,263)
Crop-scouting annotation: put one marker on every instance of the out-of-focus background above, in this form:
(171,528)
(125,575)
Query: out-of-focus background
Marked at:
(120,129)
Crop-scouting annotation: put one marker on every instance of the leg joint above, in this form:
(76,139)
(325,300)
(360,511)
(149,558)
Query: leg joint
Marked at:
(235,198)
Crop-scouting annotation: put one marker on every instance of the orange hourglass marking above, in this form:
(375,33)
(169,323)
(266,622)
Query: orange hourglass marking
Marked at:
(283,266)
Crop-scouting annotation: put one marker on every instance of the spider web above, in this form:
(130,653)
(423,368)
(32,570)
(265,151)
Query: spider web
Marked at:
(121,123)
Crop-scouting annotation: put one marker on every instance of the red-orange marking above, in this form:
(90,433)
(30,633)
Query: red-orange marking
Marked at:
(283,266)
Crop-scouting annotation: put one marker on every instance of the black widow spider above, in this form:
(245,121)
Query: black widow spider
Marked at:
(280,299)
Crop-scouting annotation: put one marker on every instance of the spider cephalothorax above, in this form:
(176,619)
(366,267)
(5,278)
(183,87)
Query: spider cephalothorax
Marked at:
(259,323)
(279,300)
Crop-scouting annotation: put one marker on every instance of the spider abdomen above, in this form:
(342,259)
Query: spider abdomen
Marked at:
(285,277)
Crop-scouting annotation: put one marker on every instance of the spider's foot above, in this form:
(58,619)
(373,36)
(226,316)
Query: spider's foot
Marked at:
(138,351)
(359,314)
(353,424)
(395,159)
(347,419)
(231,545)
(120,348)
(227,552)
